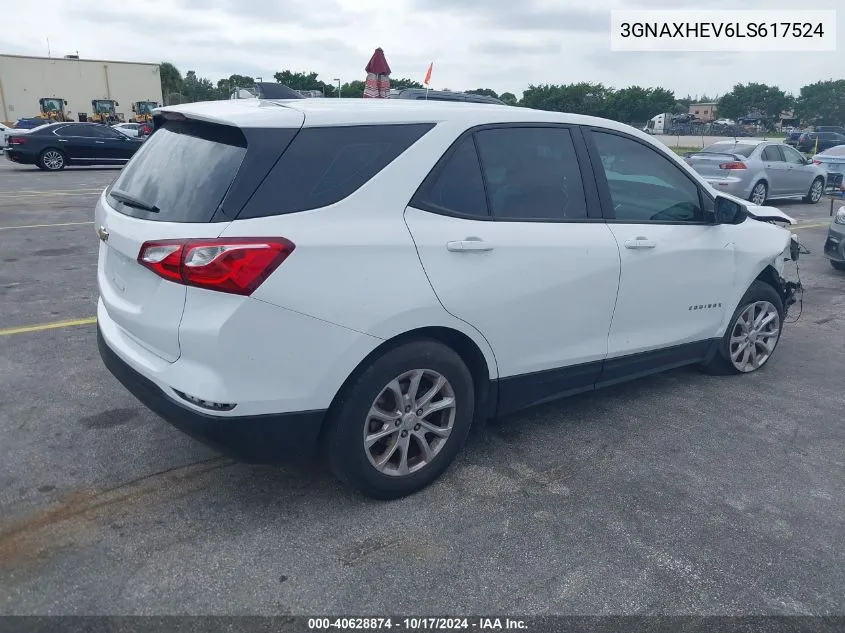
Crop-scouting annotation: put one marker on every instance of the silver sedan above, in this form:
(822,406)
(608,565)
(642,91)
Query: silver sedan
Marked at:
(758,170)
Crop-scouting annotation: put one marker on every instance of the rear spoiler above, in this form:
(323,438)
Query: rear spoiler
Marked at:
(734,156)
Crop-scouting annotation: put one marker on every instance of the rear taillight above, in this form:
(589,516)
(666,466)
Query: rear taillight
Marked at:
(234,265)
(816,162)
(16,140)
(732,165)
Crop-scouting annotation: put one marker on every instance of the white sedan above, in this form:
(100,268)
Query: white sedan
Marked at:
(129,129)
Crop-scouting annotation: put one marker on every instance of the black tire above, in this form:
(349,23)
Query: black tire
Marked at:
(720,364)
(343,439)
(837,265)
(809,198)
(47,162)
(759,183)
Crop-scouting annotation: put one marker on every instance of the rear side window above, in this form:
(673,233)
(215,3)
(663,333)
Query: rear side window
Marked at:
(458,188)
(772,153)
(532,174)
(184,170)
(324,165)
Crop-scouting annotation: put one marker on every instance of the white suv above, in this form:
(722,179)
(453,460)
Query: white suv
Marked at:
(371,276)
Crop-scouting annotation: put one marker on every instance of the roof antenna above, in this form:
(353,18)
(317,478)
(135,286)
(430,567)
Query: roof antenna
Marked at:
(48,47)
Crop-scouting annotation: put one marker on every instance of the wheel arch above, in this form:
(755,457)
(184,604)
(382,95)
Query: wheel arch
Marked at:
(461,343)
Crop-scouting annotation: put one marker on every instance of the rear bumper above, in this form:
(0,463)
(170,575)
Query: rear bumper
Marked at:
(256,439)
(19,157)
(732,185)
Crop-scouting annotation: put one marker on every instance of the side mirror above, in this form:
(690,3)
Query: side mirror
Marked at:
(65,101)
(729,212)
(116,103)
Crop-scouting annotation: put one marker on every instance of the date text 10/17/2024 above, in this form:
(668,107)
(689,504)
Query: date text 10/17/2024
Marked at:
(418,624)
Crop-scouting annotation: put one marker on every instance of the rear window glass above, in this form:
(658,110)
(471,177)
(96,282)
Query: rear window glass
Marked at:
(184,170)
(729,148)
(324,165)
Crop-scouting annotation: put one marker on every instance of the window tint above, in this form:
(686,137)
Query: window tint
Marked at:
(324,165)
(532,174)
(646,186)
(772,154)
(184,169)
(459,187)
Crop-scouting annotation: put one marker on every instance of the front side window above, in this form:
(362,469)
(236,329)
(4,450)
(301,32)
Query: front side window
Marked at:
(792,156)
(646,186)
(532,173)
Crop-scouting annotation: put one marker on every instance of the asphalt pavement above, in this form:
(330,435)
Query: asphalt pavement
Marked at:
(674,494)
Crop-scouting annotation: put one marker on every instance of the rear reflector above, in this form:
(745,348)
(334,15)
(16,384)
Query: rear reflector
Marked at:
(733,165)
(233,265)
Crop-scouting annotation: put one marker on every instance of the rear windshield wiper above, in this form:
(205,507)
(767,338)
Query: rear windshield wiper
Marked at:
(131,201)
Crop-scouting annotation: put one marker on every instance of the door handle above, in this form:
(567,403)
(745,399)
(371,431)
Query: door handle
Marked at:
(469,244)
(640,242)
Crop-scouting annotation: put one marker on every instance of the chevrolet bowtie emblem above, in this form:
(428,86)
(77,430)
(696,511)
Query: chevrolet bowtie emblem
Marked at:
(103,234)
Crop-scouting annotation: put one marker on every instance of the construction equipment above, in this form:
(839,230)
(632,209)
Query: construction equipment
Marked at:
(105,111)
(144,111)
(53,109)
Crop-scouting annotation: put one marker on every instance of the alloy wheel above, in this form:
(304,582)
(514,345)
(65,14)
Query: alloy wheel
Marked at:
(409,422)
(53,160)
(754,336)
(816,191)
(758,194)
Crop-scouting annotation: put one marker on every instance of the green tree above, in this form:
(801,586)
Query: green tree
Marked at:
(305,81)
(757,99)
(171,78)
(352,89)
(509,98)
(198,88)
(822,103)
(580,98)
(401,83)
(484,92)
(225,86)
(636,104)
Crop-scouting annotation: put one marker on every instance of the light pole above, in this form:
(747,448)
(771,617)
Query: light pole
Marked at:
(338,87)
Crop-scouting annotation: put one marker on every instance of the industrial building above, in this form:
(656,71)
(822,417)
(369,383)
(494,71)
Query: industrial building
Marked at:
(25,80)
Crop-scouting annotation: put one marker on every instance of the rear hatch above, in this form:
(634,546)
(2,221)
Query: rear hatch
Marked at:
(188,180)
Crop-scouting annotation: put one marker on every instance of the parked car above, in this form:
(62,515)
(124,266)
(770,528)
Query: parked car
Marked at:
(266,285)
(792,137)
(29,124)
(5,132)
(836,129)
(834,246)
(56,145)
(759,170)
(833,162)
(420,94)
(826,140)
(129,129)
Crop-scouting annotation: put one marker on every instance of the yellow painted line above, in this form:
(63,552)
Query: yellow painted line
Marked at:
(817,225)
(47,326)
(41,226)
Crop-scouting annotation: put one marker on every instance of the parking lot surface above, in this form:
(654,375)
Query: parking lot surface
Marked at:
(674,494)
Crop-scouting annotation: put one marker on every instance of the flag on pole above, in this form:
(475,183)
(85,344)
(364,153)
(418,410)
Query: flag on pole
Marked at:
(428,75)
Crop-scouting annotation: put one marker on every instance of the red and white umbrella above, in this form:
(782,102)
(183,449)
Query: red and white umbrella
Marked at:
(377,85)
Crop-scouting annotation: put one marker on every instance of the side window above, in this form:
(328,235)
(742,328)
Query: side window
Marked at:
(771,154)
(100,131)
(532,173)
(324,165)
(459,187)
(792,156)
(646,186)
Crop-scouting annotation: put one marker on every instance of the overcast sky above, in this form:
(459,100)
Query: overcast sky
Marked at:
(501,44)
